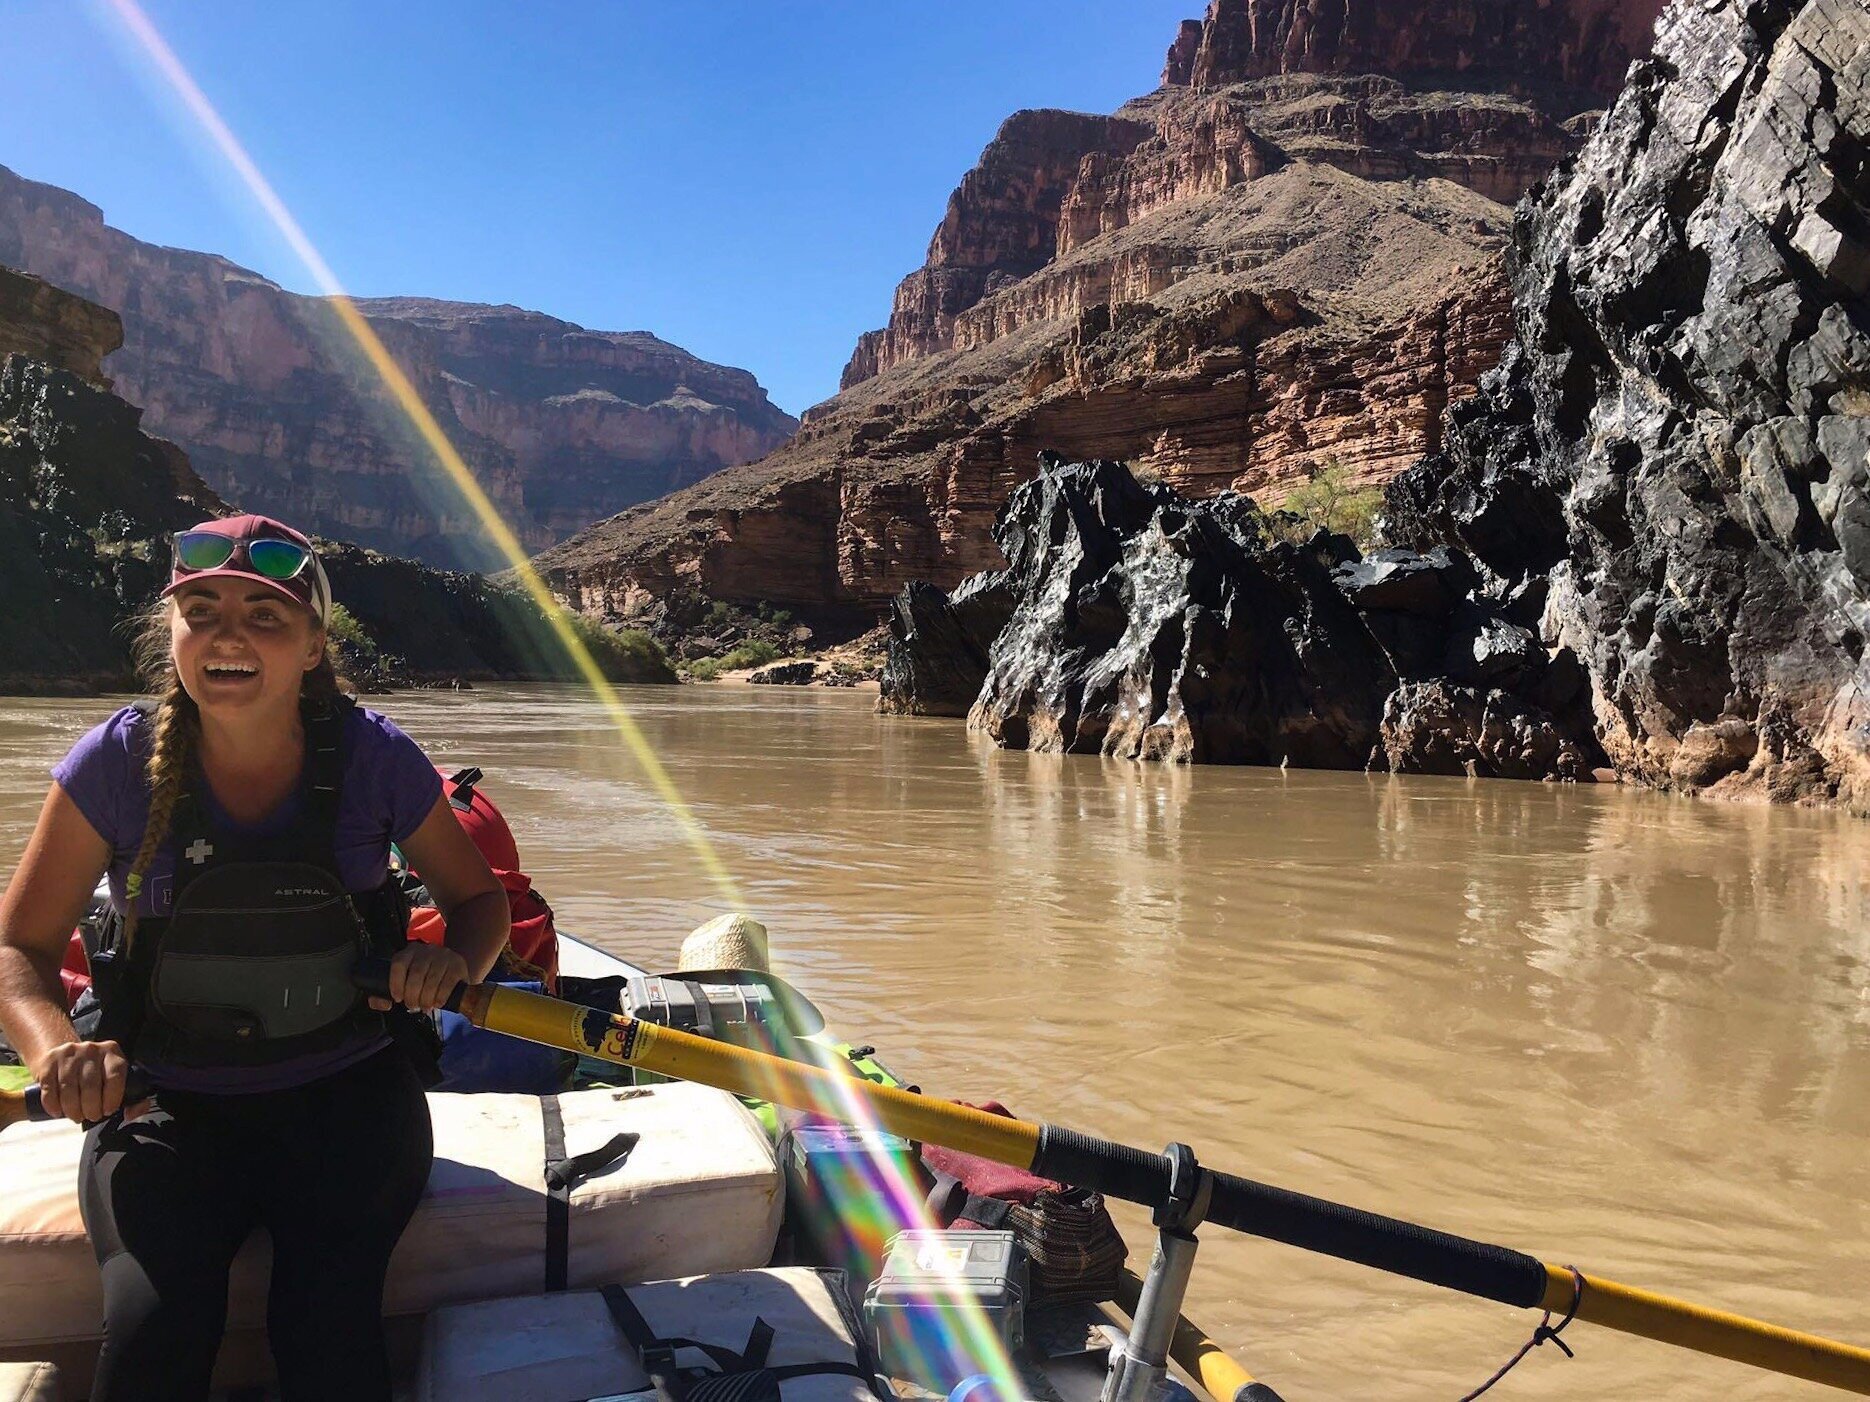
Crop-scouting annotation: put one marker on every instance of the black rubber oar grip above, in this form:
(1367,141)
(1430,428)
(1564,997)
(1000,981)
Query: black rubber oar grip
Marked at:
(136,1087)
(371,977)
(1387,1243)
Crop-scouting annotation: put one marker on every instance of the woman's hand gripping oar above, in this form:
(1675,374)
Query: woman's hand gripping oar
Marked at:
(1387,1243)
(27,1104)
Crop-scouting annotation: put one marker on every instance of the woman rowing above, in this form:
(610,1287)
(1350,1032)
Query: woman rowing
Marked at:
(245,820)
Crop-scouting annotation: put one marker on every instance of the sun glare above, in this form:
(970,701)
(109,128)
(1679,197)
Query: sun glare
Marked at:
(867,1206)
(403,392)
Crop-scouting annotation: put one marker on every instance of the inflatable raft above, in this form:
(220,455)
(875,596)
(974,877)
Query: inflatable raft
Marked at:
(610,1240)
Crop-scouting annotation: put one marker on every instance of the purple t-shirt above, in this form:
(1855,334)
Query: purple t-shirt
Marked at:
(388,788)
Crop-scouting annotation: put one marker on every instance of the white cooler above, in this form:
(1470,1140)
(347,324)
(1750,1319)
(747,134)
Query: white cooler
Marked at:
(699,1191)
(568,1347)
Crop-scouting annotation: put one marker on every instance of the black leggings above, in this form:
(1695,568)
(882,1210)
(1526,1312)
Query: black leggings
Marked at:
(333,1170)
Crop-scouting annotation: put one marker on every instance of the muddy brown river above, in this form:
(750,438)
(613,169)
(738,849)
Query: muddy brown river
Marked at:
(1600,1026)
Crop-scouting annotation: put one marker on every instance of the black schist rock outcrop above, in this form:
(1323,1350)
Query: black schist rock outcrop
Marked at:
(1133,621)
(1672,458)
(1645,544)
(84,496)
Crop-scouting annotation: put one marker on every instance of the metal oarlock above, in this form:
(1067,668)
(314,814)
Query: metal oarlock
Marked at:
(1139,1368)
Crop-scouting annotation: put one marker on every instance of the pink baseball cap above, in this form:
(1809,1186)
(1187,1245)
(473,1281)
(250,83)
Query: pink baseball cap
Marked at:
(257,548)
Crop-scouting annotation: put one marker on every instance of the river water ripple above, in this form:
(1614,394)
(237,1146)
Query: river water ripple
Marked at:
(1595,1025)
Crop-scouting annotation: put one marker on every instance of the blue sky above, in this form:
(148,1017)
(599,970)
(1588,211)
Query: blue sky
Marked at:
(747,180)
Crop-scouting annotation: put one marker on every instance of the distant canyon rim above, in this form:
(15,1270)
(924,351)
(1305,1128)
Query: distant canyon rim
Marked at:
(1287,258)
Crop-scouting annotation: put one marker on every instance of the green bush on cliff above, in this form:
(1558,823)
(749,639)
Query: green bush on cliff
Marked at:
(349,635)
(1327,501)
(623,654)
(756,652)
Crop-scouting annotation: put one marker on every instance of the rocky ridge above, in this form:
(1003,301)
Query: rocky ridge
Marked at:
(561,425)
(88,500)
(1644,549)
(1674,456)
(1135,622)
(1233,282)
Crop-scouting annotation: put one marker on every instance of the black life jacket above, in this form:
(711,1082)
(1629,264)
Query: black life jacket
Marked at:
(252,964)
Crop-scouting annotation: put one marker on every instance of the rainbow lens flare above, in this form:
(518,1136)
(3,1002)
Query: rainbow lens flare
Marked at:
(872,1202)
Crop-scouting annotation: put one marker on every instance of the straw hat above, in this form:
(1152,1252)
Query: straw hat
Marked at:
(730,941)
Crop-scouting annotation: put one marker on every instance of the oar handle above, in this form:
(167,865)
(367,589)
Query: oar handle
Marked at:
(1459,1263)
(371,977)
(1135,1175)
(29,1104)
(1314,1224)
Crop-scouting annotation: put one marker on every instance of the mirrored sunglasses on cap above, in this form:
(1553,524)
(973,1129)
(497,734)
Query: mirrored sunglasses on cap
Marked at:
(269,558)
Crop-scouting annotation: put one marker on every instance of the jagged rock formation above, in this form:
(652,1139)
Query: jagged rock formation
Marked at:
(562,426)
(1285,259)
(939,645)
(1645,543)
(1132,621)
(88,500)
(1674,457)
(48,324)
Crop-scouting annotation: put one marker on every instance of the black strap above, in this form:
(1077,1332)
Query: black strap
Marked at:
(759,1343)
(563,1172)
(188,825)
(569,1172)
(324,765)
(737,1375)
(657,1358)
(991,1213)
(725,1359)
(557,1197)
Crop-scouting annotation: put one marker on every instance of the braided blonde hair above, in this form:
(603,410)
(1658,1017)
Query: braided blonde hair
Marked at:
(178,732)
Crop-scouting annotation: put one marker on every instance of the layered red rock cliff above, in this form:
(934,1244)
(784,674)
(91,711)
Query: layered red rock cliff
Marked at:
(1287,258)
(562,425)
(1505,45)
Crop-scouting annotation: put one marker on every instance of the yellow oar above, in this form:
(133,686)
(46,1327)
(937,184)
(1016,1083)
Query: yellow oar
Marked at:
(1135,1175)
(1200,1357)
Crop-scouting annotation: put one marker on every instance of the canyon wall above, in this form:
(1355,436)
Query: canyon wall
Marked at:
(88,500)
(1672,464)
(279,410)
(1642,552)
(1285,261)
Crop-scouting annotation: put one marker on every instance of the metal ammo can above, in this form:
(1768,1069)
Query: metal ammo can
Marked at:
(744,1014)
